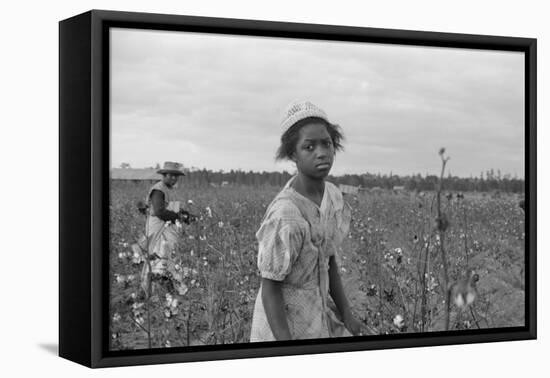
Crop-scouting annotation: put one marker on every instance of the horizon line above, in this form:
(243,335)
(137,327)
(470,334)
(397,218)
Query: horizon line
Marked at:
(195,169)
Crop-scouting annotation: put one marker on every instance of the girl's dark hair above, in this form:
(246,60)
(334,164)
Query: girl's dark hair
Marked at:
(290,138)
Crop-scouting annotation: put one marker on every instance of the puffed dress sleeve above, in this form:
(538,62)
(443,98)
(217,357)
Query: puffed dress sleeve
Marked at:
(280,239)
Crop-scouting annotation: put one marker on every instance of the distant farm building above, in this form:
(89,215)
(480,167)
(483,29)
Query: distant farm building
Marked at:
(135,174)
(398,188)
(348,189)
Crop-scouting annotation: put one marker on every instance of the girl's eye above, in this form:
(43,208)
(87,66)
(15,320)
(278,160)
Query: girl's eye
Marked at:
(309,147)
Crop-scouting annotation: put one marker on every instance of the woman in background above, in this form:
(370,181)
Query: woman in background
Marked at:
(162,225)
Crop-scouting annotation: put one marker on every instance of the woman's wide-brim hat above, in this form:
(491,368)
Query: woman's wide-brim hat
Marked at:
(171,167)
(299,110)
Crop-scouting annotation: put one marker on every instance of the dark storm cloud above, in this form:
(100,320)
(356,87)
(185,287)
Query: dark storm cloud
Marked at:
(215,101)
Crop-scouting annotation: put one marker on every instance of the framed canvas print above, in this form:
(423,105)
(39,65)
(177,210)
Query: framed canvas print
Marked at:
(235,188)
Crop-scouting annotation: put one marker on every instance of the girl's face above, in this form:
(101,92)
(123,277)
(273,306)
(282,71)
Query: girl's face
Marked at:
(170,179)
(314,152)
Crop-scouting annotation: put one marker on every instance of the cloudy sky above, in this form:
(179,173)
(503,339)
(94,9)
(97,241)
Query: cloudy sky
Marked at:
(215,101)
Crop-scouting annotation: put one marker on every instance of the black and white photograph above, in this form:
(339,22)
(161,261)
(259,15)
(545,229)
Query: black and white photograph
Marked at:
(269,189)
(266,189)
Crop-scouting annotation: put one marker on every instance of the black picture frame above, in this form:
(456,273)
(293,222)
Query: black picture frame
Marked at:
(84,190)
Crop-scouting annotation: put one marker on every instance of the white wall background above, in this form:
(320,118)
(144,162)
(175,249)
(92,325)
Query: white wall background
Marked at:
(29,189)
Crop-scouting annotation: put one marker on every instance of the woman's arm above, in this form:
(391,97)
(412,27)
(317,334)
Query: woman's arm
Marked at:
(339,296)
(159,210)
(272,299)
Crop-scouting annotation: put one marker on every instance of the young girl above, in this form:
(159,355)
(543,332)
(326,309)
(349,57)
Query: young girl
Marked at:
(301,294)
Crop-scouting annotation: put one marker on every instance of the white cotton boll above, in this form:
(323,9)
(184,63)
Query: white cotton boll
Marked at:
(182,289)
(136,258)
(398,321)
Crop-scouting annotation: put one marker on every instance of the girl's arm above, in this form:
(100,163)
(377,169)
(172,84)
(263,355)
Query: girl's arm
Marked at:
(339,296)
(272,299)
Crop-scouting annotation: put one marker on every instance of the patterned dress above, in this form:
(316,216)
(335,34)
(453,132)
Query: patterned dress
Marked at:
(296,240)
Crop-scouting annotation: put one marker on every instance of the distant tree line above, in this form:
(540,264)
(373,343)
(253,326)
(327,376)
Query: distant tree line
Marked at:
(488,181)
